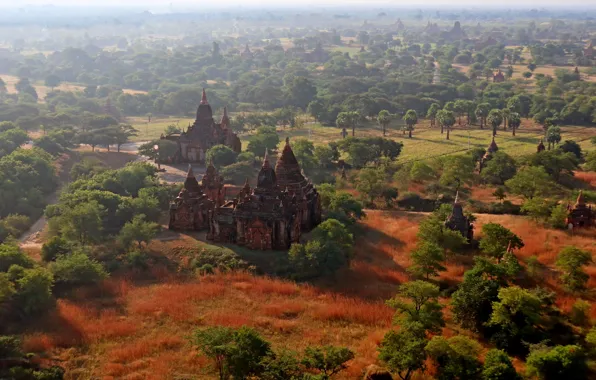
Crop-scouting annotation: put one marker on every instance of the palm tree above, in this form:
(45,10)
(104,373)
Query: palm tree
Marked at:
(348,120)
(482,111)
(506,113)
(495,118)
(446,119)
(384,119)
(514,122)
(460,109)
(432,113)
(410,118)
(553,136)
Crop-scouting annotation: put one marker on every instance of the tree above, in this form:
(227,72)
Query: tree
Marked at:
(531,181)
(446,119)
(571,261)
(411,118)
(54,248)
(121,134)
(77,269)
(221,155)
(384,119)
(239,353)
(83,222)
(532,66)
(427,259)
(418,301)
(515,317)
(472,302)
(300,91)
(558,363)
(482,111)
(500,193)
(167,149)
(495,118)
(553,136)
(432,113)
(460,109)
(455,358)
(52,81)
(500,168)
(138,230)
(432,230)
(371,182)
(328,360)
(506,113)
(514,121)
(33,291)
(348,119)
(496,240)
(266,138)
(403,351)
(304,151)
(498,366)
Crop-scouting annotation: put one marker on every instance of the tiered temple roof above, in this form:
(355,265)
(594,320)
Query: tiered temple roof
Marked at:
(457,221)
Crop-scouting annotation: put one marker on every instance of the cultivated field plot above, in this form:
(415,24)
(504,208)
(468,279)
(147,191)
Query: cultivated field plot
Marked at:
(43,90)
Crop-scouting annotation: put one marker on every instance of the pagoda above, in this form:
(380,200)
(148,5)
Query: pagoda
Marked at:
(540,147)
(499,77)
(580,215)
(191,209)
(492,148)
(457,221)
(274,214)
(202,135)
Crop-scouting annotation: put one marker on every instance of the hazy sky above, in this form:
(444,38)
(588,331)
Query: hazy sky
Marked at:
(302,3)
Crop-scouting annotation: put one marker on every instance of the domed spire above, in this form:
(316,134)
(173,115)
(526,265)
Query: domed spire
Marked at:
(204,98)
(287,168)
(266,177)
(190,183)
(580,199)
(225,120)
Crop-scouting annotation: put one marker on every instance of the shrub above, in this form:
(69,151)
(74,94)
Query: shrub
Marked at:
(53,248)
(220,258)
(77,269)
(559,362)
(237,173)
(14,225)
(11,254)
(221,155)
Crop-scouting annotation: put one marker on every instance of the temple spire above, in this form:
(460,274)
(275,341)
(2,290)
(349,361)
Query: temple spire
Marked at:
(225,120)
(266,159)
(204,98)
(456,201)
(190,173)
(580,199)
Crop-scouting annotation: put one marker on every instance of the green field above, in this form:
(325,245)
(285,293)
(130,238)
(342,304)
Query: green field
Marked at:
(425,143)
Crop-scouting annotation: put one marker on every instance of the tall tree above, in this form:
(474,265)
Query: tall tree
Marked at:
(349,119)
(384,119)
(496,240)
(571,261)
(482,111)
(514,122)
(432,113)
(460,109)
(410,118)
(418,301)
(427,259)
(553,136)
(495,118)
(447,120)
(403,351)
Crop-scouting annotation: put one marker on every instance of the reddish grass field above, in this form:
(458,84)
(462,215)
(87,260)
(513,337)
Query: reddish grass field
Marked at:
(140,331)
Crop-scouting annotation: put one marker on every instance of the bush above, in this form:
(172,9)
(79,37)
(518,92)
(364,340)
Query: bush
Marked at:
(237,173)
(220,258)
(53,248)
(559,362)
(11,254)
(77,269)
(221,156)
(14,225)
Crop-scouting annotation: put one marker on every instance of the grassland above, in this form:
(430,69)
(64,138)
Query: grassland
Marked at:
(425,143)
(139,329)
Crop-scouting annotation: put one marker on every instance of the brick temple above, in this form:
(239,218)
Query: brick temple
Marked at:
(457,221)
(274,214)
(581,215)
(203,134)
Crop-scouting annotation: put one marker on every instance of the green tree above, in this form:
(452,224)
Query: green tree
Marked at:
(482,111)
(500,168)
(472,302)
(446,119)
(265,138)
(498,366)
(221,155)
(384,119)
(403,351)
(304,151)
(83,222)
(455,358)
(496,239)
(54,248)
(411,119)
(571,261)
(323,156)
(515,317)
(531,181)
(418,301)
(33,292)
(349,119)
(557,363)
(327,360)
(514,121)
(372,182)
(167,149)
(432,113)
(427,259)
(495,118)
(553,136)
(500,193)
(52,81)
(239,353)
(432,230)
(138,230)
(77,269)
(460,109)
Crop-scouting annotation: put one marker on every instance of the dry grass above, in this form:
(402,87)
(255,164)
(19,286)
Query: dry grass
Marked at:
(140,331)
